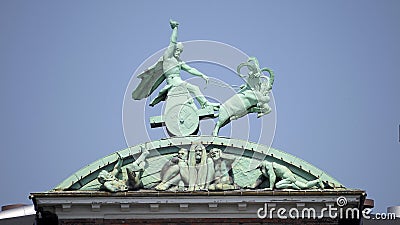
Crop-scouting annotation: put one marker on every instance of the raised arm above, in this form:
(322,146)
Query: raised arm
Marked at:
(117,166)
(173,40)
(174,36)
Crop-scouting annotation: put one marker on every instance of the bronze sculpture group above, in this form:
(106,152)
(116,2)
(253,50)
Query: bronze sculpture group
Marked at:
(199,169)
(253,96)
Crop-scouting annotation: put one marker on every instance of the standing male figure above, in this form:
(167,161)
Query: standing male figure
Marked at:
(168,68)
(200,168)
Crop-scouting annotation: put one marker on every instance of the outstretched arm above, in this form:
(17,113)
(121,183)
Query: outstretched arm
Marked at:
(173,40)
(194,71)
(143,155)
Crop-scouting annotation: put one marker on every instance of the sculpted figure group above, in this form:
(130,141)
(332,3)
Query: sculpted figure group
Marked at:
(253,96)
(198,170)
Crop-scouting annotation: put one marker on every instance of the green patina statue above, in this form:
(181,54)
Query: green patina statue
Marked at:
(168,68)
(200,168)
(201,171)
(222,172)
(181,117)
(253,96)
(281,177)
(195,168)
(110,182)
(175,173)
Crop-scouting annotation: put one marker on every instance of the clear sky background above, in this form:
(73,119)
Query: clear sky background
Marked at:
(64,68)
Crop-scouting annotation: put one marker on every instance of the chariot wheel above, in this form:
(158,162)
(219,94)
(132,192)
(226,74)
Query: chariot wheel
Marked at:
(182,120)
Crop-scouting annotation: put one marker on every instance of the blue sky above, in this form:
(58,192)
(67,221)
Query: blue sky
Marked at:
(64,68)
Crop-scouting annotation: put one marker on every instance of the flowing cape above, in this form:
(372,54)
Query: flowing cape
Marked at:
(151,79)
